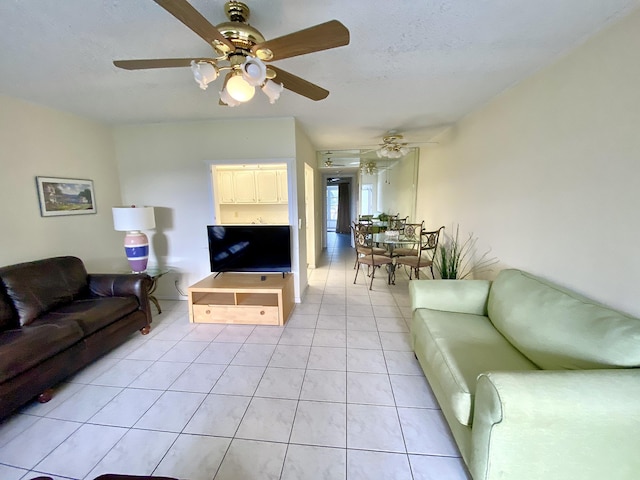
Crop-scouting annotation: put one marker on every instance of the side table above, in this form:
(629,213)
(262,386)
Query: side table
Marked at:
(154,274)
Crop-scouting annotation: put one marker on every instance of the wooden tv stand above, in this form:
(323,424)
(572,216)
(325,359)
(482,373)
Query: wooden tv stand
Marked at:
(242,298)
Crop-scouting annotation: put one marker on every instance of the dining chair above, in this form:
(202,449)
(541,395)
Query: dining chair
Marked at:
(426,253)
(411,231)
(396,223)
(366,256)
(366,230)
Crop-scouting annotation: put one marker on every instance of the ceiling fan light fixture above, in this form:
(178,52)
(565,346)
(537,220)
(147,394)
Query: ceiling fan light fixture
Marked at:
(228,99)
(238,89)
(369,167)
(204,73)
(272,90)
(254,71)
(392,151)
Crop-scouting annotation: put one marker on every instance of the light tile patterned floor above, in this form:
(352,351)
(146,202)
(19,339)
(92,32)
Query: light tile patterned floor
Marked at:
(335,394)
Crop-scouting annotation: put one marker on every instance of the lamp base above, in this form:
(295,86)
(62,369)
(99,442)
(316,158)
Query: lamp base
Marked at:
(136,246)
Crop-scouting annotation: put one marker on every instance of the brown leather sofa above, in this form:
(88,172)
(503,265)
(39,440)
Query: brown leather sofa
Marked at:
(55,319)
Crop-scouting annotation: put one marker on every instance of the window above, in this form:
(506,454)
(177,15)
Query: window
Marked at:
(366,206)
(332,207)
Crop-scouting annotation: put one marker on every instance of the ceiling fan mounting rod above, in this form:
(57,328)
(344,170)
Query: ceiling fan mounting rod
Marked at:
(237,11)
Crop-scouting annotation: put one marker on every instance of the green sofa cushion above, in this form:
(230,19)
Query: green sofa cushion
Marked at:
(458,348)
(559,329)
(462,296)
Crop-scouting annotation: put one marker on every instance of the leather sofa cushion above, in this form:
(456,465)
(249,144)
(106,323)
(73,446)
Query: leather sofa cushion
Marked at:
(91,314)
(458,348)
(36,287)
(559,329)
(8,318)
(24,348)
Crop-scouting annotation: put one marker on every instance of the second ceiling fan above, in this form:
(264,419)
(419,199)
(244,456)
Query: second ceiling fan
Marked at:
(242,50)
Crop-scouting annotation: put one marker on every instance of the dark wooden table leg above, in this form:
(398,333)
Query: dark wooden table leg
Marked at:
(152,298)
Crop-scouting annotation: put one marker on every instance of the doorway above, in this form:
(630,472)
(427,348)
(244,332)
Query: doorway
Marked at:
(332,207)
(338,205)
(310,214)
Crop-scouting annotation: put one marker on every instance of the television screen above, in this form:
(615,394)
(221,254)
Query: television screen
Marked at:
(249,248)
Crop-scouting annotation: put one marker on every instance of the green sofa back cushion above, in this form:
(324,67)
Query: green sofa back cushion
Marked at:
(559,329)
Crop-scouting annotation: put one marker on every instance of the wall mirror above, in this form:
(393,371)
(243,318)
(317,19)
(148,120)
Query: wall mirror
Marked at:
(383,185)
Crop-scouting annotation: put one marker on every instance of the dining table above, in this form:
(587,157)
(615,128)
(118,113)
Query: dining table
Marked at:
(391,241)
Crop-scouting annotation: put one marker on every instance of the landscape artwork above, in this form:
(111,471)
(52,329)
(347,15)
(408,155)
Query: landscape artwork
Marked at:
(65,196)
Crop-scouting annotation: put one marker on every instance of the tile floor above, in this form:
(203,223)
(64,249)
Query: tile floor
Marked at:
(335,394)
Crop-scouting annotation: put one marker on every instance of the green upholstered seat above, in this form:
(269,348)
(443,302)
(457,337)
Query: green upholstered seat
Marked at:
(460,347)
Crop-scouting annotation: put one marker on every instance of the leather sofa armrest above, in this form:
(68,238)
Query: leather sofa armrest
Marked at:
(121,285)
(460,296)
(556,424)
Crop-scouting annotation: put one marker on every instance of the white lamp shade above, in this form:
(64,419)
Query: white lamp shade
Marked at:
(227,99)
(272,90)
(254,71)
(239,89)
(128,219)
(203,73)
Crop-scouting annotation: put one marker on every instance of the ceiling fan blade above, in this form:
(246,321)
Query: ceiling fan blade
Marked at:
(183,11)
(157,63)
(327,35)
(299,85)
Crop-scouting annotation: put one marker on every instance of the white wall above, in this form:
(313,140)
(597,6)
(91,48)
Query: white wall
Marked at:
(305,154)
(547,174)
(168,166)
(37,141)
(244,214)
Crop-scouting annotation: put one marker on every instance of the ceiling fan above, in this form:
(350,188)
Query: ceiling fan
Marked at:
(392,146)
(242,50)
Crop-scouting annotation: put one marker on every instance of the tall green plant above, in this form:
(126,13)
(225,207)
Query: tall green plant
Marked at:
(455,259)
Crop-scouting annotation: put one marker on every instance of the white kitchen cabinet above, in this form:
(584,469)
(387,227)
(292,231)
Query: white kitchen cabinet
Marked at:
(283,188)
(252,186)
(267,186)
(244,186)
(225,186)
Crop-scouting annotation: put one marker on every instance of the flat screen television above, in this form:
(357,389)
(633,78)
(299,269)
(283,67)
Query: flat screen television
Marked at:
(249,248)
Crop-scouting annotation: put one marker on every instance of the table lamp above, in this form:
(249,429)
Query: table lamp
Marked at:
(136,244)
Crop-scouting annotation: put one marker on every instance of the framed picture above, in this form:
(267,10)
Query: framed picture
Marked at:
(65,196)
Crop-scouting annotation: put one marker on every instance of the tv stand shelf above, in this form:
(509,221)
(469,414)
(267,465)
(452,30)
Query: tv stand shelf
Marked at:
(242,298)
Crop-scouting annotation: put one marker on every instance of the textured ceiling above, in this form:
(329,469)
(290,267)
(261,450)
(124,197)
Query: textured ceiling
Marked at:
(411,65)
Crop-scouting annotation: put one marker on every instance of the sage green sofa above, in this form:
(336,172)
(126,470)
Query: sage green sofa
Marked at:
(535,381)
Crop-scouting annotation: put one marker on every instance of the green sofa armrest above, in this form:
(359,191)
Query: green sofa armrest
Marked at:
(557,424)
(460,296)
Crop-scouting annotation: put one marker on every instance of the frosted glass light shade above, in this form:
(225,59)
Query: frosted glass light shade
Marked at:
(254,71)
(392,152)
(227,99)
(129,219)
(272,90)
(203,73)
(239,89)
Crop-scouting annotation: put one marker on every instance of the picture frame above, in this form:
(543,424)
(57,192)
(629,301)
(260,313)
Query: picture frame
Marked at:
(65,196)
